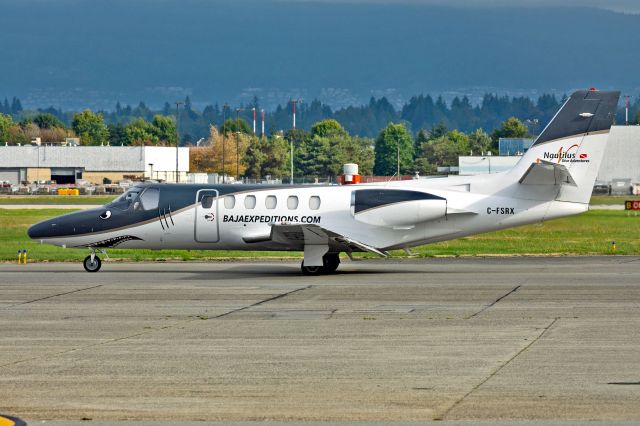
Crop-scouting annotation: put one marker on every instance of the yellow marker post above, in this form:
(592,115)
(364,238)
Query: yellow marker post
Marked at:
(19,256)
(6,422)
(24,256)
(613,246)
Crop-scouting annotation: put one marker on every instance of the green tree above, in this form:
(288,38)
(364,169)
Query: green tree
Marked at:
(90,128)
(479,142)
(5,124)
(445,150)
(231,125)
(347,149)
(421,138)
(118,135)
(47,121)
(438,130)
(255,158)
(329,127)
(139,132)
(510,128)
(164,128)
(277,162)
(392,138)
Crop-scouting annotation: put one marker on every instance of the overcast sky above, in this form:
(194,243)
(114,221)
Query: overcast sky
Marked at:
(627,6)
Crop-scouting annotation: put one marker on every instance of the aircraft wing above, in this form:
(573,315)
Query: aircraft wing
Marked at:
(547,173)
(298,236)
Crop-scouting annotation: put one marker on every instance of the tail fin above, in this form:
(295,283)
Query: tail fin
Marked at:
(575,138)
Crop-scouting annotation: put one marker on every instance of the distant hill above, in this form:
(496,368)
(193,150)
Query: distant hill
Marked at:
(81,53)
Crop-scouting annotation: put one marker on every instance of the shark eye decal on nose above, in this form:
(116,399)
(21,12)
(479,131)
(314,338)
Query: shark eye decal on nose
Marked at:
(106,215)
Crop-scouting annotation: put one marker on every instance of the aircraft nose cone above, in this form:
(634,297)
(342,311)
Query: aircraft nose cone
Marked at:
(39,230)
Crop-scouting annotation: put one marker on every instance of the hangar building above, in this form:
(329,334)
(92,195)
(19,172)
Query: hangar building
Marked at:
(67,164)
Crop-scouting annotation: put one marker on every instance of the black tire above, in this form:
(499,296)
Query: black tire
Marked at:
(92,266)
(311,270)
(331,262)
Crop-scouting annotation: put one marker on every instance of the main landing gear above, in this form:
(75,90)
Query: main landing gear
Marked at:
(92,263)
(330,261)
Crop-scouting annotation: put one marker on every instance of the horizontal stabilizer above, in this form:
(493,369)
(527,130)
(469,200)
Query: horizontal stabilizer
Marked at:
(547,173)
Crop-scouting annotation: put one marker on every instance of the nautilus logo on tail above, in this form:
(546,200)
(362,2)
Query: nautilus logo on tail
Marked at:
(567,155)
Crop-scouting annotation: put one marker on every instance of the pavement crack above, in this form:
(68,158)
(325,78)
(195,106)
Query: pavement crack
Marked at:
(261,302)
(52,296)
(142,333)
(513,290)
(496,371)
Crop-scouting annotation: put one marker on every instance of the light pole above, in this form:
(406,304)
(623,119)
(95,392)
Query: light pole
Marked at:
(224,129)
(293,134)
(488,158)
(237,141)
(398,171)
(178,103)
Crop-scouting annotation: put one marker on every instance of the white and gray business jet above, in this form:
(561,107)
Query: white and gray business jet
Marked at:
(553,179)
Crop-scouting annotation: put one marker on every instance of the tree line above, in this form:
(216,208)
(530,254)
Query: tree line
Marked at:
(321,152)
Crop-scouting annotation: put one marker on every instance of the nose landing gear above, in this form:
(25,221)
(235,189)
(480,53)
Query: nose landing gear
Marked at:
(92,263)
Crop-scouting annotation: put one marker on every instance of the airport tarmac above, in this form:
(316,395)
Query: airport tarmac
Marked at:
(551,340)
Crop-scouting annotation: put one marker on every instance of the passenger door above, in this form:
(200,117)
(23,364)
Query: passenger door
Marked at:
(206,220)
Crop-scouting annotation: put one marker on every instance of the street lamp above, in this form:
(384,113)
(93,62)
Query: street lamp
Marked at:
(224,128)
(293,134)
(488,158)
(178,103)
(237,141)
(398,171)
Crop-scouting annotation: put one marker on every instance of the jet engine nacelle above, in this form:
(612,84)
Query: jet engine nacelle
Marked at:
(396,208)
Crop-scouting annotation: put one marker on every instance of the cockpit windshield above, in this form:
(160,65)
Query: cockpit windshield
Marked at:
(127,199)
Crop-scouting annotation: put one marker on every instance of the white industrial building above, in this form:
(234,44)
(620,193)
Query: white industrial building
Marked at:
(621,158)
(68,164)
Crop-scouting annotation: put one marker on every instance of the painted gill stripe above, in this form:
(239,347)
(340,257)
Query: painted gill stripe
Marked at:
(170,216)
(160,218)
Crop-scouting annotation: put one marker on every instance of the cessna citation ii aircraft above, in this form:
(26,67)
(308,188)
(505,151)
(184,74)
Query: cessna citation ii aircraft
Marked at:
(553,179)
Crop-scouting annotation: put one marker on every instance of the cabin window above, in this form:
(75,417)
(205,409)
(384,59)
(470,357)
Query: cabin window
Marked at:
(250,202)
(229,202)
(271,202)
(150,198)
(314,202)
(292,202)
(207,201)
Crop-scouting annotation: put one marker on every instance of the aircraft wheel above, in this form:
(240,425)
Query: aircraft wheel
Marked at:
(331,262)
(90,266)
(311,270)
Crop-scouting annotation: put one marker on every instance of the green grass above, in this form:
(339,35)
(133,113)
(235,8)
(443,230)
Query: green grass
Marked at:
(56,199)
(590,233)
(599,200)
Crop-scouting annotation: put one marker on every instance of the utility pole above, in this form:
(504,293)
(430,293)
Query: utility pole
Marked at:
(178,103)
(626,110)
(293,134)
(254,120)
(398,171)
(224,131)
(262,123)
(237,141)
